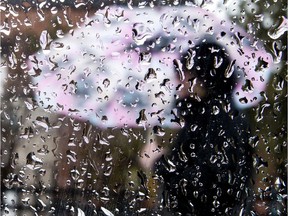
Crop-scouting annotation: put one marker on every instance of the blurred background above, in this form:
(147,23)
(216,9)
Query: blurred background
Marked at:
(53,164)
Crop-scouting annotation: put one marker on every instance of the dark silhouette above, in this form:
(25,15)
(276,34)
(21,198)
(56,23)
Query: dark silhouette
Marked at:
(209,166)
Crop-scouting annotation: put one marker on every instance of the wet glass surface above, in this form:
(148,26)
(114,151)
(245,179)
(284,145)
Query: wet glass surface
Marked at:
(143,107)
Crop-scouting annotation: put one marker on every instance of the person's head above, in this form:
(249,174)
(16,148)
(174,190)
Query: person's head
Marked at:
(209,70)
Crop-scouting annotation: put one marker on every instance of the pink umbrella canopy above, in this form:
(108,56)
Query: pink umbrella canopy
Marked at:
(117,68)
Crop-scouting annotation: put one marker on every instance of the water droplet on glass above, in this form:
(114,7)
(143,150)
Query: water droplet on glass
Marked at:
(190,59)
(217,61)
(71,156)
(6,210)
(260,111)
(106,212)
(26,201)
(75,174)
(108,171)
(215,110)
(243,100)
(14,159)
(159,131)
(142,119)
(33,162)
(279,184)
(248,86)
(108,156)
(168,164)
(179,68)
(99,90)
(230,69)
(54,10)
(145,58)
(43,122)
(195,23)
(80,212)
(141,210)
(12,60)
(41,205)
(140,33)
(276,32)
(44,150)
(106,82)
(177,119)
(216,203)
(277,51)
(45,41)
(27,22)
(176,21)
(151,75)
(213,159)
(60,33)
(12,180)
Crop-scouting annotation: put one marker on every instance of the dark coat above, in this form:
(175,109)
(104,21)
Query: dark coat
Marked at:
(209,166)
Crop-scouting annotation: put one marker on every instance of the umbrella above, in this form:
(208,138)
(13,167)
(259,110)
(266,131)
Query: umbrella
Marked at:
(118,68)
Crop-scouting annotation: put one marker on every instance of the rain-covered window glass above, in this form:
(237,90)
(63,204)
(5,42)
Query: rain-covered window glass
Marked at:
(143,107)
